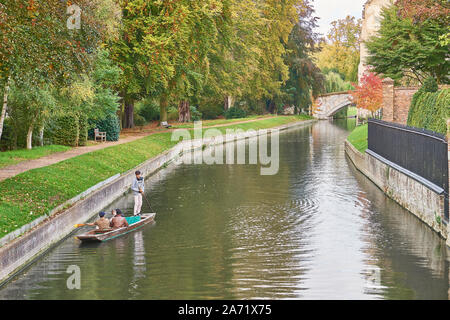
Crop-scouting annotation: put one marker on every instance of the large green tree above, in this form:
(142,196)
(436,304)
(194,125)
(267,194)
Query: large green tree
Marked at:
(305,78)
(409,48)
(162,49)
(341,49)
(49,41)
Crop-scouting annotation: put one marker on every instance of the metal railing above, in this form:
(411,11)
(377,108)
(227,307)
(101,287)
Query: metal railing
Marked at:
(420,151)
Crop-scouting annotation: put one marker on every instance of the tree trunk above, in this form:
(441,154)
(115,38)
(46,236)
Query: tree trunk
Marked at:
(184,111)
(129,114)
(163,103)
(30,136)
(41,135)
(5,104)
(228,102)
(272,107)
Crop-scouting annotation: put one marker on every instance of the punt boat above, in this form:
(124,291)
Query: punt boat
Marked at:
(134,223)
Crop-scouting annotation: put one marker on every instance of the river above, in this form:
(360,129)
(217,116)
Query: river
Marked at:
(316,230)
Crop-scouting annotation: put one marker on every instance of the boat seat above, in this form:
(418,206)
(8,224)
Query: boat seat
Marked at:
(132,220)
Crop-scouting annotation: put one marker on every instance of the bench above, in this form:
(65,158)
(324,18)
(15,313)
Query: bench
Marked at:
(165,124)
(101,135)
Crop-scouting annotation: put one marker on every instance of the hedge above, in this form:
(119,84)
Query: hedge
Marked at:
(235,113)
(64,130)
(83,125)
(110,125)
(430,110)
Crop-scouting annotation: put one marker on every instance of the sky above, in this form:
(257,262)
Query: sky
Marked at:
(330,10)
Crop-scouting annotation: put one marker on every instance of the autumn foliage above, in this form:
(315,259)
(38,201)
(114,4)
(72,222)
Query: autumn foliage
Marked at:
(420,10)
(369,93)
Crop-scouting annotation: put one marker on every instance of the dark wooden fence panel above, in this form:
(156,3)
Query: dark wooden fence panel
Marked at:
(420,151)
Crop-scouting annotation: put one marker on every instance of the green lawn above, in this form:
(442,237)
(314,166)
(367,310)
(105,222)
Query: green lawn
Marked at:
(358,138)
(351,111)
(8,158)
(31,194)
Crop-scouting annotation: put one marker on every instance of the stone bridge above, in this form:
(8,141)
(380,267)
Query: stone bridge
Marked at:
(329,104)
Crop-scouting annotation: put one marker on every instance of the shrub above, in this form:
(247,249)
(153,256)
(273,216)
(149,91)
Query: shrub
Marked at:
(83,125)
(7,141)
(430,85)
(195,114)
(64,130)
(110,125)
(148,109)
(235,113)
(211,111)
(139,120)
(172,114)
(430,110)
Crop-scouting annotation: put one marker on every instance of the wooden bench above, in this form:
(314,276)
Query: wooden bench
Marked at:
(165,124)
(101,135)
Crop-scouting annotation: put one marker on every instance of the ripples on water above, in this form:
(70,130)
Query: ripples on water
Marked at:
(316,230)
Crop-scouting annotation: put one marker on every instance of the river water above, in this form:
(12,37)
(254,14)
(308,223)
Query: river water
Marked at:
(316,230)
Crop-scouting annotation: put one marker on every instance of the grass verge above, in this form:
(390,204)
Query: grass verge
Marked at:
(207,123)
(9,158)
(33,193)
(358,138)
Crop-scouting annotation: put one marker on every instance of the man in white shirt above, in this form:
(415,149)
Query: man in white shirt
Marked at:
(138,189)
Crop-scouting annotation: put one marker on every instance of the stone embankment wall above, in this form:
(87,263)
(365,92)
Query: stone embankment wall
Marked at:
(421,200)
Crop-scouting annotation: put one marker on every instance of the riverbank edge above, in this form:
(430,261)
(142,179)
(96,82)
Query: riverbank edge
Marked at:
(403,189)
(41,237)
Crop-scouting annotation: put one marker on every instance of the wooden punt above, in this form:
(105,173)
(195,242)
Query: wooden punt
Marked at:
(104,235)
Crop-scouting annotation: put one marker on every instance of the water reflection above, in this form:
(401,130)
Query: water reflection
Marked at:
(318,230)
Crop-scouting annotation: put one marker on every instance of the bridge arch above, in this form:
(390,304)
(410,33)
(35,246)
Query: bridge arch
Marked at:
(329,104)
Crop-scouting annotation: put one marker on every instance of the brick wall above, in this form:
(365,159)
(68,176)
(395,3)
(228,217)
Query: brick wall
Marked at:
(397,100)
(402,102)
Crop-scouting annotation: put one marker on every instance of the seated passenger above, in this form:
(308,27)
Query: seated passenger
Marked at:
(102,223)
(118,221)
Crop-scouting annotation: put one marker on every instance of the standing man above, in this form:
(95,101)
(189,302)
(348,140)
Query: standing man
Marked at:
(138,189)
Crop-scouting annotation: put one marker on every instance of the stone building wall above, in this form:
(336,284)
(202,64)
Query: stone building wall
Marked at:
(370,24)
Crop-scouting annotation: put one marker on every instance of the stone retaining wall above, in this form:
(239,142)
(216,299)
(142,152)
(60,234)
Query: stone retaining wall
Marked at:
(422,201)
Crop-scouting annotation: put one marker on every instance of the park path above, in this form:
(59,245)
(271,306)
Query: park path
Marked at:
(127,135)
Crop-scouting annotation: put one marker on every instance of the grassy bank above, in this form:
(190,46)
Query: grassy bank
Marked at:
(9,158)
(358,138)
(215,122)
(31,194)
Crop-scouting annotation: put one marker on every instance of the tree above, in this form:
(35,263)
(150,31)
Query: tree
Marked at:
(335,83)
(38,47)
(31,105)
(305,78)
(369,93)
(341,50)
(234,55)
(421,10)
(405,49)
